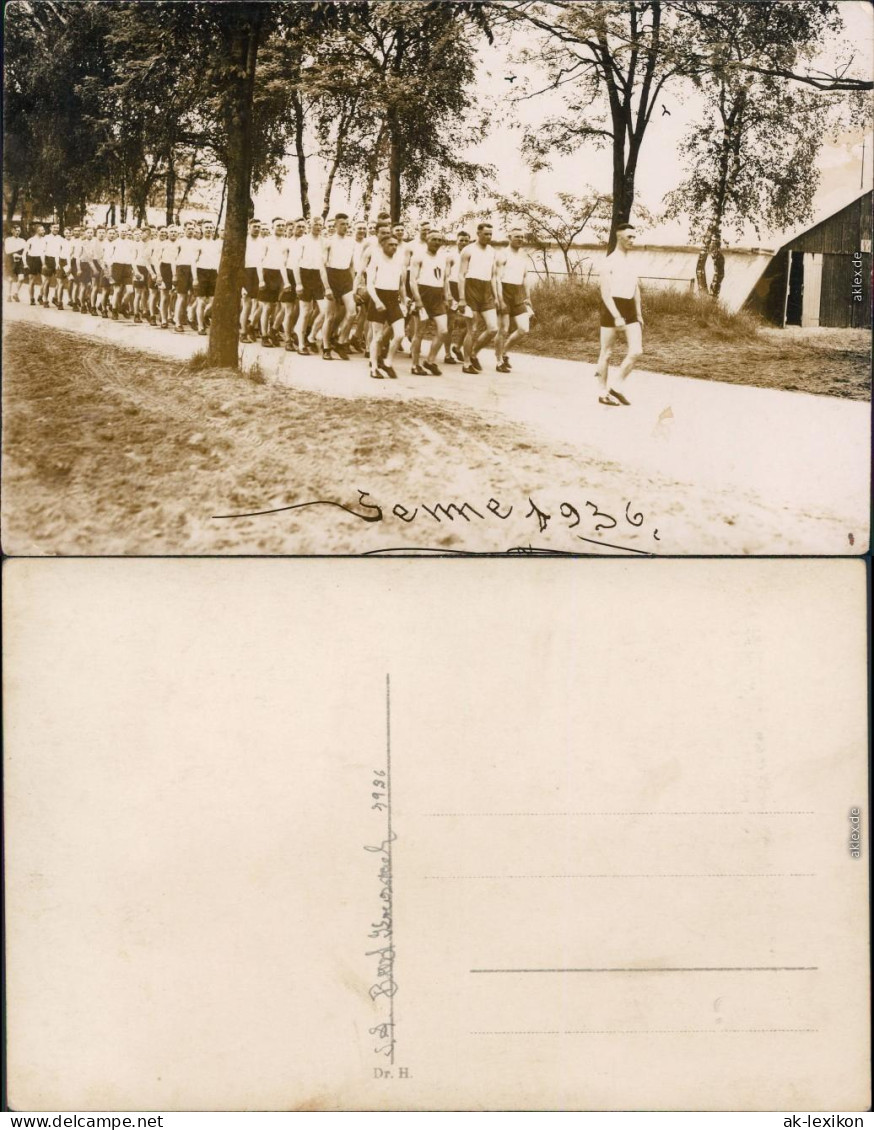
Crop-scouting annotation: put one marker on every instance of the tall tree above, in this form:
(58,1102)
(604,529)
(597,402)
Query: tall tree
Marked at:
(417,63)
(751,157)
(51,147)
(611,60)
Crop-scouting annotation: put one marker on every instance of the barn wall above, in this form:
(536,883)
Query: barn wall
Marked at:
(842,275)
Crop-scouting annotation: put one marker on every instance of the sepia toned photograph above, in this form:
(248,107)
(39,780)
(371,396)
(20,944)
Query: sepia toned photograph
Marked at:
(437,278)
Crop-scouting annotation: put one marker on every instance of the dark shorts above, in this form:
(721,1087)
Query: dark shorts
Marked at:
(182,279)
(63,269)
(250,282)
(269,292)
(514,299)
(453,290)
(289,291)
(340,282)
(85,272)
(479,295)
(142,278)
(206,282)
(34,265)
(13,266)
(74,268)
(391,313)
(49,267)
(166,272)
(626,308)
(433,300)
(122,274)
(312,285)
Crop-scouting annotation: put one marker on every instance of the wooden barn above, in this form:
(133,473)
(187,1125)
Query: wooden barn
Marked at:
(821,277)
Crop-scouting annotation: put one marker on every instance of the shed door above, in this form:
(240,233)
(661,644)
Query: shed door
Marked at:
(812,289)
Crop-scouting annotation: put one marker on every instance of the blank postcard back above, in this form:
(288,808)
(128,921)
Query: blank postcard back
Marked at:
(436,835)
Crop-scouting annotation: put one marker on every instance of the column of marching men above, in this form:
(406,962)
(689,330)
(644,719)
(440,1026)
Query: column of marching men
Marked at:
(331,288)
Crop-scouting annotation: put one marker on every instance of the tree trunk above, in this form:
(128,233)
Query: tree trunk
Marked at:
(372,170)
(218,222)
(224,337)
(171,190)
(394,173)
(13,202)
(297,105)
(718,269)
(701,268)
(621,205)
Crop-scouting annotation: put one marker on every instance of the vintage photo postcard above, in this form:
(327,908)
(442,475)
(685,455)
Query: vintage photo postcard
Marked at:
(519,276)
(395,835)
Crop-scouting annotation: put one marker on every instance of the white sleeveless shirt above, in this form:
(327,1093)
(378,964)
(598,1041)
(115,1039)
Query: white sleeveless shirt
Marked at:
(433,270)
(387,271)
(481,262)
(514,267)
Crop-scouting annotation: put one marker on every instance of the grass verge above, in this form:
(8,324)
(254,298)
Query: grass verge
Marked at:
(691,336)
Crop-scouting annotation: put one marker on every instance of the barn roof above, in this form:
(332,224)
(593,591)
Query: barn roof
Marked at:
(823,217)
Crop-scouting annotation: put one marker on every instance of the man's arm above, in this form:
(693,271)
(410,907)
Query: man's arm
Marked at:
(637,308)
(415,271)
(498,280)
(259,266)
(363,263)
(462,276)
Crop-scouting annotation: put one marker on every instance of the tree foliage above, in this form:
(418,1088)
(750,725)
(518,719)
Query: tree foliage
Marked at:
(751,156)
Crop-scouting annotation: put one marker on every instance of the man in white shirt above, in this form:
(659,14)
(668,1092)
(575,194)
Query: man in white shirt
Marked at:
(457,323)
(514,298)
(74,271)
(312,284)
(13,261)
(53,246)
(65,240)
(249,304)
(271,272)
(34,249)
(182,275)
(122,271)
(108,249)
(205,271)
(386,293)
(339,256)
(620,313)
(287,316)
(164,260)
(430,290)
(477,292)
(96,251)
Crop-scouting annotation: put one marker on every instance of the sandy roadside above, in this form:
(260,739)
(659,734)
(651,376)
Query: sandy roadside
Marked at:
(693,467)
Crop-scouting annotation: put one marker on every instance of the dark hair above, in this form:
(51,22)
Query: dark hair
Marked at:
(484,224)
(625,227)
(341,216)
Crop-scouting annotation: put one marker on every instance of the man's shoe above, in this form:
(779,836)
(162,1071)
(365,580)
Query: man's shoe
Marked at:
(432,369)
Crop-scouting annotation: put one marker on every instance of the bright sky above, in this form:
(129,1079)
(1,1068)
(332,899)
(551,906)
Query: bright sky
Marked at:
(841,164)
